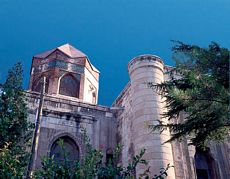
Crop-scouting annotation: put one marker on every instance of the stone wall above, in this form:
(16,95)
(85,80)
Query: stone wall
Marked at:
(142,107)
(63,117)
(221,156)
(124,125)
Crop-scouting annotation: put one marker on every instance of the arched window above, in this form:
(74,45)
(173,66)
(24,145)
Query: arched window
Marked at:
(70,152)
(37,85)
(69,86)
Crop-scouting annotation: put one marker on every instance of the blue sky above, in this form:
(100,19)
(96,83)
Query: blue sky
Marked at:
(110,32)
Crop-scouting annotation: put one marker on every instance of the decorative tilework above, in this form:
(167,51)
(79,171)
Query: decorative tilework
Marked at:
(59,64)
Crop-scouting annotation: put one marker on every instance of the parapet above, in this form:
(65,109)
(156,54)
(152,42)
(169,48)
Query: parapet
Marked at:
(146,60)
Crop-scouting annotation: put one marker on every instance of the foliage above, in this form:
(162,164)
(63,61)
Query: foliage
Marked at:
(91,166)
(13,161)
(13,111)
(14,127)
(198,88)
(163,172)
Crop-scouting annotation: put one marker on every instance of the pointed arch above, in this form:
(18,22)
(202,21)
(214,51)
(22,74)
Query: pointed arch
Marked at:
(69,85)
(72,152)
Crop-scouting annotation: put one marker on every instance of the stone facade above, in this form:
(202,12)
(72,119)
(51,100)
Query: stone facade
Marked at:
(71,103)
(141,107)
(64,118)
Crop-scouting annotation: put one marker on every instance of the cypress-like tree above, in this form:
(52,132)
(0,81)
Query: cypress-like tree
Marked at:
(14,127)
(198,88)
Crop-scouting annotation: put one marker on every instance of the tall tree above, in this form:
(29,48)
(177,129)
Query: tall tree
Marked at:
(14,126)
(199,88)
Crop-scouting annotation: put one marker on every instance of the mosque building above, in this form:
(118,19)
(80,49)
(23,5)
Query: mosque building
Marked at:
(70,103)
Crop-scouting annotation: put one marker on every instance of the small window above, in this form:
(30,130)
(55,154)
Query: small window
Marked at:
(94,98)
(109,159)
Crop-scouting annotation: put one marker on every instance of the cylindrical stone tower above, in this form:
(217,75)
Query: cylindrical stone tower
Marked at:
(147,108)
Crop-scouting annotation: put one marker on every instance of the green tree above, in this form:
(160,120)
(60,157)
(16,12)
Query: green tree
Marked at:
(91,166)
(14,127)
(198,88)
